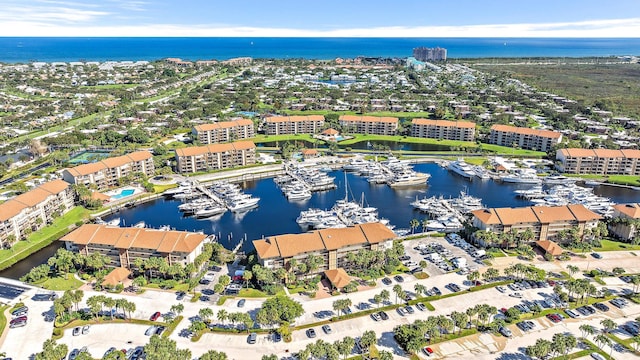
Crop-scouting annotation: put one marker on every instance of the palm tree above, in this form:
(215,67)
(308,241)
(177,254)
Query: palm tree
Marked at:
(222,315)
(397,289)
(384,295)
(608,325)
(205,314)
(572,269)
(602,340)
(377,299)
(413,224)
(420,289)
(587,329)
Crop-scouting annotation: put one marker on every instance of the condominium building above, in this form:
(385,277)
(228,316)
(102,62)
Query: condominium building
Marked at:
(34,209)
(598,161)
(624,223)
(331,245)
(223,131)
(430,54)
(124,245)
(369,124)
(544,221)
(105,173)
(215,156)
(282,125)
(443,129)
(524,138)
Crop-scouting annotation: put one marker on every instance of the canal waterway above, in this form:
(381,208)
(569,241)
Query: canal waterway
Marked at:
(276,215)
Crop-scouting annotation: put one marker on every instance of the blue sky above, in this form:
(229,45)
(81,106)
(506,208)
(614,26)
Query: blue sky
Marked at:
(372,18)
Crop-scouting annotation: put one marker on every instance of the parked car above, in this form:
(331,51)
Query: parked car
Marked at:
(180,295)
(376,316)
(602,307)
(505,331)
(597,356)
(253,337)
(516,295)
(398,278)
(383,315)
(159,329)
(421,306)
(76,331)
(155,316)
(327,329)
(241,303)
(427,351)
(386,281)
(311,333)
(409,309)
(21,309)
(85,329)
(18,323)
(151,330)
(596,255)
(571,313)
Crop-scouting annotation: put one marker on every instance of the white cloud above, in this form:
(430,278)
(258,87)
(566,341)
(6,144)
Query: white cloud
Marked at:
(597,28)
(47,14)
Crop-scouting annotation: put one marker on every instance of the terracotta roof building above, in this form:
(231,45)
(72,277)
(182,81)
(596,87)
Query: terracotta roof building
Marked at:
(549,247)
(116,276)
(338,277)
(281,125)
(524,138)
(443,129)
(124,245)
(223,131)
(375,125)
(544,221)
(215,156)
(33,210)
(623,225)
(105,173)
(598,161)
(331,245)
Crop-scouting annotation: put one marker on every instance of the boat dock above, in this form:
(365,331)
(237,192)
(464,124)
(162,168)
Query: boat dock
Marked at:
(203,189)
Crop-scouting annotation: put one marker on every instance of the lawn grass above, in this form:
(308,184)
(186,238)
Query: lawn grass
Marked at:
(624,180)
(3,318)
(158,189)
(496,253)
(610,245)
(289,137)
(42,237)
(61,283)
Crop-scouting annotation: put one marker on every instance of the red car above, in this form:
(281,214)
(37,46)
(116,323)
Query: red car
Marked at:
(553,317)
(155,316)
(237,278)
(18,319)
(427,351)
(551,283)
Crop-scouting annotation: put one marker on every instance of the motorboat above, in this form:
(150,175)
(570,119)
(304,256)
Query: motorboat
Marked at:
(140,225)
(243,204)
(521,178)
(210,211)
(114,222)
(409,178)
(481,172)
(558,180)
(461,168)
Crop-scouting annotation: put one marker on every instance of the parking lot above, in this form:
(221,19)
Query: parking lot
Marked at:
(439,253)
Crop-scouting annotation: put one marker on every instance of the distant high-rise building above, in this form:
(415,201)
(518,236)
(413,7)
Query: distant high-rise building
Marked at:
(430,54)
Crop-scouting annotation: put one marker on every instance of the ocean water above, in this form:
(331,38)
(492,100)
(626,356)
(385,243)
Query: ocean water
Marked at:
(28,49)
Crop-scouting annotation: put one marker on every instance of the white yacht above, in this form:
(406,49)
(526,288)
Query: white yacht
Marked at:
(210,211)
(356,164)
(481,172)
(558,180)
(461,168)
(140,225)
(114,222)
(243,204)
(408,179)
(522,178)
(298,194)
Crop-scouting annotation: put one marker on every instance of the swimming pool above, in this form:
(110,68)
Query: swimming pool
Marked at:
(123,193)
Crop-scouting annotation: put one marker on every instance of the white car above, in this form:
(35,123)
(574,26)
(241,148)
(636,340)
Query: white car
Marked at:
(502,289)
(516,295)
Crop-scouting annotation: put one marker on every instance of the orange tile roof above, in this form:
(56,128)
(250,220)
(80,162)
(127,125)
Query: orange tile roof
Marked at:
(357,118)
(116,276)
(330,131)
(582,213)
(279,119)
(338,277)
(126,238)
(630,210)
(215,148)
(550,247)
(487,216)
(512,216)
(327,239)
(223,125)
(550,214)
(444,123)
(309,152)
(631,153)
(109,163)
(600,153)
(535,214)
(526,131)
(31,198)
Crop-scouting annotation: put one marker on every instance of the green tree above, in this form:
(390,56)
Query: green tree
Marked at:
(162,348)
(345,346)
(213,355)
(279,309)
(52,351)
(368,338)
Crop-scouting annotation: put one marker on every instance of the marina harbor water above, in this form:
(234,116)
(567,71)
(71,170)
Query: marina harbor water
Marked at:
(277,215)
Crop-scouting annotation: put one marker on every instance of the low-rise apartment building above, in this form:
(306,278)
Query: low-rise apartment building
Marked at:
(443,129)
(283,125)
(598,161)
(223,131)
(524,138)
(625,220)
(331,245)
(544,221)
(215,156)
(124,245)
(105,173)
(34,209)
(374,125)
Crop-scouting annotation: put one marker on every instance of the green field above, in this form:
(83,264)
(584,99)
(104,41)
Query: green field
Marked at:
(42,237)
(61,283)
